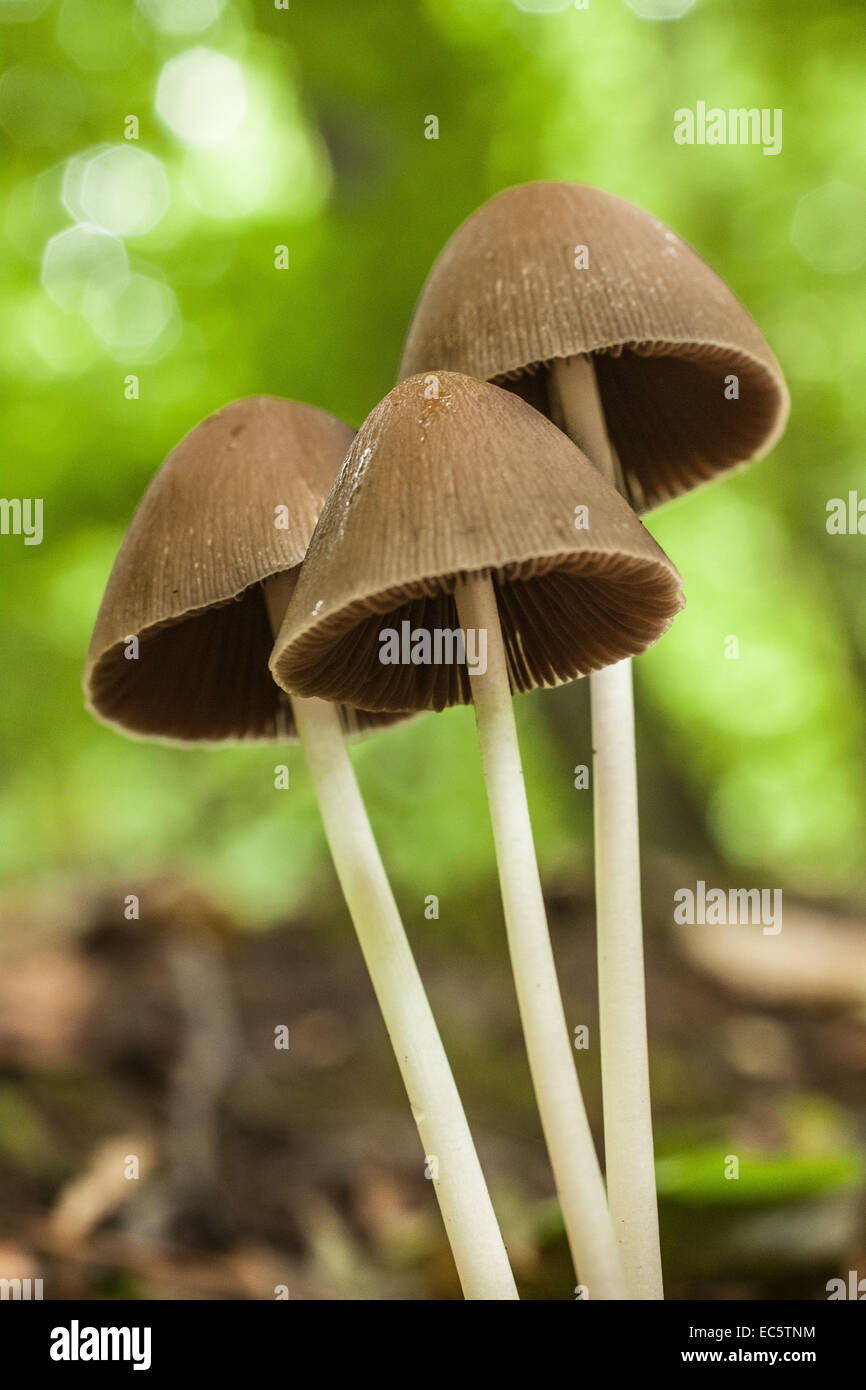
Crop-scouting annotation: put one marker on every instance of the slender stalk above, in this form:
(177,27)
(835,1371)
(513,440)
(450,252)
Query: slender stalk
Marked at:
(628,1137)
(551,1058)
(467,1211)
(470,1222)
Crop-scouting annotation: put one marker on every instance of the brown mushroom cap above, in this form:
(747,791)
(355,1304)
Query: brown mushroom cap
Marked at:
(187,578)
(471,482)
(504,299)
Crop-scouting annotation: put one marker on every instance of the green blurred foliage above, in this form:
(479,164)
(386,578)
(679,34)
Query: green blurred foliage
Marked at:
(324,151)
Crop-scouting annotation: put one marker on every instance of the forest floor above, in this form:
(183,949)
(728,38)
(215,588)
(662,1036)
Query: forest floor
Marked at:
(156,1142)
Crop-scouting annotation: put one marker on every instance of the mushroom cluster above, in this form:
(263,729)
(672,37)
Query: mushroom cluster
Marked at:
(570,363)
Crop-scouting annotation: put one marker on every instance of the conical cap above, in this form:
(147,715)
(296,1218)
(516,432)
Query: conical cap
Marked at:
(469,481)
(187,579)
(551,270)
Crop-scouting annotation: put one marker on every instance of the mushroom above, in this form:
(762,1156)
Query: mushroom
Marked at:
(180,651)
(456,504)
(548,272)
(604,320)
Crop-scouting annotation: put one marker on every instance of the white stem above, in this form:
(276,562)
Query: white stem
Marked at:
(548,1044)
(628,1137)
(628,1134)
(576,405)
(467,1211)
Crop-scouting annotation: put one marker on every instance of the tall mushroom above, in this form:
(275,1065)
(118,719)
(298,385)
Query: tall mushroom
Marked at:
(455,513)
(180,651)
(604,320)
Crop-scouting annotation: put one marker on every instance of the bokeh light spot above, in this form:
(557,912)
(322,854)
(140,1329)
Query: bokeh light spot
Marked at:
(133,315)
(201,96)
(256,171)
(119,187)
(78,258)
(181,16)
(829,228)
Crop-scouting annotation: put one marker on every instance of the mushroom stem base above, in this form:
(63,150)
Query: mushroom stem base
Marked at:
(551,1058)
(450,1157)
